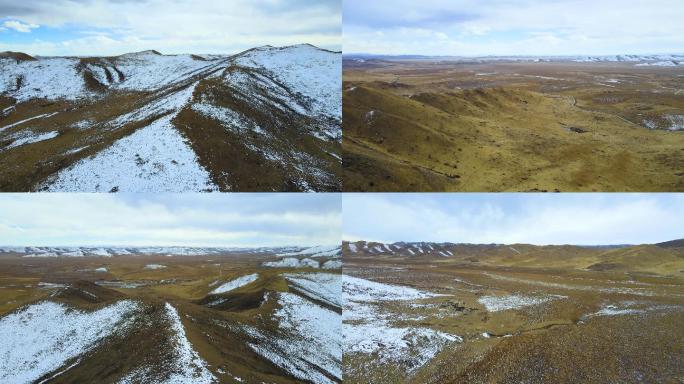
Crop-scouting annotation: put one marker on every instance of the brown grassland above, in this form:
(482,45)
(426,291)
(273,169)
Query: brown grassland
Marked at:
(431,125)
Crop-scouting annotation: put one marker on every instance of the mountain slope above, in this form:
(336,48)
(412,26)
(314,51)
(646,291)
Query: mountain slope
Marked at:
(262,120)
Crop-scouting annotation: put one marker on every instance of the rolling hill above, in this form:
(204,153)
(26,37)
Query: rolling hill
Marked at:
(519,126)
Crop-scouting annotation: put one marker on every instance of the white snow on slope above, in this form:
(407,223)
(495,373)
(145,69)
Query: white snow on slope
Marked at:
(332,264)
(325,287)
(291,262)
(368,329)
(50,78)
(168,103)
(288,262)
(31,138)
(313,72)
(40,338)
(155,266)
(502,303)
(362,290)
(317,251)
(145,71)
(117,251)
(234,284)
(186,365)
(100,252)
(309,340)
(153,159)
(59,78)
(228,118)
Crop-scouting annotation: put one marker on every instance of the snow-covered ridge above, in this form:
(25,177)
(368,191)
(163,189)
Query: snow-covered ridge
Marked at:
(317,251)
(307,343)
(403,249)
(185,364)
(190,366)
(311,71)
(293,262)
(74,78)
(284,104)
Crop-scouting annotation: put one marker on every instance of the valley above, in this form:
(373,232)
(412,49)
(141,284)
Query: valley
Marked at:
(513,124)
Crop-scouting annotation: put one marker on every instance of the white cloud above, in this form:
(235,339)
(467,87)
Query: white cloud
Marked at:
(179,26)
(188,220)
(523,27)
(512,218)
(19,26)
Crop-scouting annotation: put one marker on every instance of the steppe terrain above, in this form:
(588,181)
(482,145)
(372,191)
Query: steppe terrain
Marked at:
(514,124)
(267,119)
(466,313)
(170,315)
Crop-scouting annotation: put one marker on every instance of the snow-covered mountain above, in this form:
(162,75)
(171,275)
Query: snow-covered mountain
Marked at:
(267,119)
(126,251)
(317,251)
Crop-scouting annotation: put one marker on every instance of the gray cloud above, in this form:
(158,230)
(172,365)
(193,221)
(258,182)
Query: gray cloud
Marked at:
(506,27)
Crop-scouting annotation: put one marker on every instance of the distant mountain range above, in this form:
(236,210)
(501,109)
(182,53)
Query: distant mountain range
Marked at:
(665,60)
(317,251)
(667,257)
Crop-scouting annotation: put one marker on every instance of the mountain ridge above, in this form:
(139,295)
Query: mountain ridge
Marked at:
(266,119)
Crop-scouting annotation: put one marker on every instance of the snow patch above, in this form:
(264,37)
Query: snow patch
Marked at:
(368,329)
(41,338)
(502,303)
(234,284)
(153,159)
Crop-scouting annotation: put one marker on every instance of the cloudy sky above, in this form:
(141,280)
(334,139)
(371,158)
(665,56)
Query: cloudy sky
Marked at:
(513,27)
(170,219)
(111,27)
(582,219)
